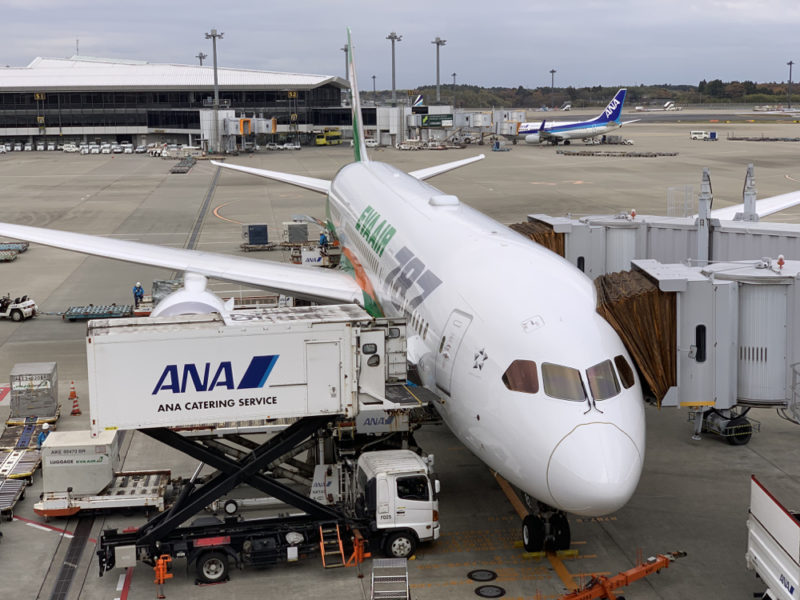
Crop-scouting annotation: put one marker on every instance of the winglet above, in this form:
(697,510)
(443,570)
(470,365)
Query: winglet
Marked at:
(359,144)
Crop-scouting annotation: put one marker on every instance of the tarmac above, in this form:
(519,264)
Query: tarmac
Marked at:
(693,495)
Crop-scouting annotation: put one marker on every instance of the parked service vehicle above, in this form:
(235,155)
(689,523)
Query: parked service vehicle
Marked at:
(68,147)
(94,149)
(105,148)
(17,309)
(51,146)
(2,149)
(27,148)
(17,147)
(371,143)
(140,149)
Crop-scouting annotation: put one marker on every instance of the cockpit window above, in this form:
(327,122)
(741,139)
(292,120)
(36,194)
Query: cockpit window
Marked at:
(602,381)
(625,371)
(562,382)
(521,376)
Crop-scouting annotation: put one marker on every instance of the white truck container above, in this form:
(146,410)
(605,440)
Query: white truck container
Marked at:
(250,365)
(81,472)
(773,544)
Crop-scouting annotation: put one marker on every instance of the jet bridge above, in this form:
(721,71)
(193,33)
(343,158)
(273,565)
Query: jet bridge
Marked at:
(717,340)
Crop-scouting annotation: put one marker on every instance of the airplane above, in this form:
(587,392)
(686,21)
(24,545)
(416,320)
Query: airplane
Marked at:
(528,376)
(564,131)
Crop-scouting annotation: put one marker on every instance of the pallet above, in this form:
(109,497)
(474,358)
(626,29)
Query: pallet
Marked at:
(100,311)
(11,492)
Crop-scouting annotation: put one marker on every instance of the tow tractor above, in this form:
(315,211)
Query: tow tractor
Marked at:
(17,309)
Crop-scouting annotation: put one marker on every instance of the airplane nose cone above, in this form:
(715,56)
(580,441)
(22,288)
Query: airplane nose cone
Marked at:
(594,470)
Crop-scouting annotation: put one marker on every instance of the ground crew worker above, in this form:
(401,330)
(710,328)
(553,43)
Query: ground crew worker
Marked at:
(161,568)
(138,294)
(43,435)
(323,240)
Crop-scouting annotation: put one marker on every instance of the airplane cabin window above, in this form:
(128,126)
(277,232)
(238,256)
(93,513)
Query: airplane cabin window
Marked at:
(563,382)
(602,381)
(522,376)
(625,371)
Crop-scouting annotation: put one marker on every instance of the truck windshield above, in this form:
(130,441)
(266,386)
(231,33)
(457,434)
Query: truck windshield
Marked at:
(414,487)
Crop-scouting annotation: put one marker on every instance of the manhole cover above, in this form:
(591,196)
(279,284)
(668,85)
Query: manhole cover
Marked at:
(482,575)
(490,591)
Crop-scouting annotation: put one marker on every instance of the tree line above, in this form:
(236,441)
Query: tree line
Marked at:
(705,92)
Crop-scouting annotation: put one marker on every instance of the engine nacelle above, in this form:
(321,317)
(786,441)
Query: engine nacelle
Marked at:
(532,138)
(192,299)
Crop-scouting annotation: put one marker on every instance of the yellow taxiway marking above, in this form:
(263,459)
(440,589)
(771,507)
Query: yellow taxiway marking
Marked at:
(558,566)
(219,216)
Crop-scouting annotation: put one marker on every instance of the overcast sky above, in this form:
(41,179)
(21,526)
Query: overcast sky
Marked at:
(508,43)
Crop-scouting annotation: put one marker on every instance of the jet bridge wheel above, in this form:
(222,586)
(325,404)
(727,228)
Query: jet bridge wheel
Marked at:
(738,431)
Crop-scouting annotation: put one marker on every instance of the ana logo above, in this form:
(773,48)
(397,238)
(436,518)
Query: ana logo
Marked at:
(378,421)
(611,106)
(787,584)
(177,379)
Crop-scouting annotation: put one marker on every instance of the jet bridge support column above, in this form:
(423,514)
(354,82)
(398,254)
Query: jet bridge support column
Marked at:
(703,214)
(232,473)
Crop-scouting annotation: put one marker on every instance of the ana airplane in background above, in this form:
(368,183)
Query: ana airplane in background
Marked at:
(564,131)
(528,375)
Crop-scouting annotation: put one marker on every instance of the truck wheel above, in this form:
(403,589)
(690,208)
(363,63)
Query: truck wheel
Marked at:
(16,315)
(400,545)
(212,567)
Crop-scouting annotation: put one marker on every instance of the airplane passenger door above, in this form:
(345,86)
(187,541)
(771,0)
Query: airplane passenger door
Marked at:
(454,332)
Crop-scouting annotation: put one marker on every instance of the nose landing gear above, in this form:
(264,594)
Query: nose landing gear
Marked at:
(545,530)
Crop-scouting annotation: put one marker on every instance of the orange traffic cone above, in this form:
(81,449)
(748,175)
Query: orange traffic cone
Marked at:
(76,410)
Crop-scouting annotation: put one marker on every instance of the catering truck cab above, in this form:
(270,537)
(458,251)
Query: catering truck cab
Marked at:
(398,493)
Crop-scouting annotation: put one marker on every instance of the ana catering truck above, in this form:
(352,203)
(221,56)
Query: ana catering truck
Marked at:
(312,367)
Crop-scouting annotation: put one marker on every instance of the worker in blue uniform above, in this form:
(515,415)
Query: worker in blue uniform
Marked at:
(138,294)
(43,435)
(323,242)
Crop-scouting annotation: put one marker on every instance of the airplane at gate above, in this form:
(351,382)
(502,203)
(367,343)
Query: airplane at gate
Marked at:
(528,375)
(564,131)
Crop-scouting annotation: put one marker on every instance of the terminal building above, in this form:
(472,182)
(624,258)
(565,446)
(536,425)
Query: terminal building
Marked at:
(85,100)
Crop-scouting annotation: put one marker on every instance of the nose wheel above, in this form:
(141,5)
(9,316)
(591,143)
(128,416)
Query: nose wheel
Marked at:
(546,531)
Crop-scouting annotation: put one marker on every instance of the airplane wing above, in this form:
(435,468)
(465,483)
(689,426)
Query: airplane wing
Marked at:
(320,285)
(428,172)
(764,207)
(323,186)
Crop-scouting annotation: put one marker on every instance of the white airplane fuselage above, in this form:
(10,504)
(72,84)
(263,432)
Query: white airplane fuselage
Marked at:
(568,130)
(477,297)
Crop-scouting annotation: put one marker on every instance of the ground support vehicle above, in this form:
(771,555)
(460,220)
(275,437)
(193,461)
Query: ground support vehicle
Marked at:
(326,366)
(773,543)
(8,255)
(17,309)
(82,472)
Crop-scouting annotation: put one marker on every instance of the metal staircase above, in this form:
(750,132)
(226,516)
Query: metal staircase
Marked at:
(390,579)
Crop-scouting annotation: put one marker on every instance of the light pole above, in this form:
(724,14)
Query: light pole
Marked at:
(346,63)
(374,95)
(789,87)
(552,86)
(202,57)
(454,79)
(395,38)
(439,43)
(213,37)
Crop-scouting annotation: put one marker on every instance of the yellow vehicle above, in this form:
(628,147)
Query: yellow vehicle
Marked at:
(329,138)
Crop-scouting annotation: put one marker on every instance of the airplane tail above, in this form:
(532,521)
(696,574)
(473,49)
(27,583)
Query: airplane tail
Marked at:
(613,111)
(359,144)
